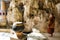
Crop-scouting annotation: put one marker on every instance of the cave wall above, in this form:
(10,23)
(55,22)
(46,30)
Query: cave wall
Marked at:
(39,17)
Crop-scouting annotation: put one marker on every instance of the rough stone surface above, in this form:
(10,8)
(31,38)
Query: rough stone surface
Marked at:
(39,18)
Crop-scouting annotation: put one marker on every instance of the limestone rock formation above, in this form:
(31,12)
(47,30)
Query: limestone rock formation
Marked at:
(36,13)
(40,18)
(13,14)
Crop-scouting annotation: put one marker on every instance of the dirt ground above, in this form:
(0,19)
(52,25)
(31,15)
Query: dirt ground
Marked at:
(56,36)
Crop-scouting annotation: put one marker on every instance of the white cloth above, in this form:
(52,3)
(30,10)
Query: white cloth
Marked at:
(4,36)
(7,36)
(36,35)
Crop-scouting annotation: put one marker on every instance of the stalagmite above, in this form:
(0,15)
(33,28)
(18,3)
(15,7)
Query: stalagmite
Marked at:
(29,23)
(13,15)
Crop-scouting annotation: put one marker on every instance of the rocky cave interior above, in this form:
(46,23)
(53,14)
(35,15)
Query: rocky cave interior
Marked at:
(33,13)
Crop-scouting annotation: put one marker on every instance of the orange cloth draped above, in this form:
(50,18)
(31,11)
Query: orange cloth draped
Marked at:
(51,25)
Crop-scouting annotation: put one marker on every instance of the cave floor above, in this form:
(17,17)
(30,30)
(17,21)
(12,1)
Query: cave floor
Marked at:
(56,36)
